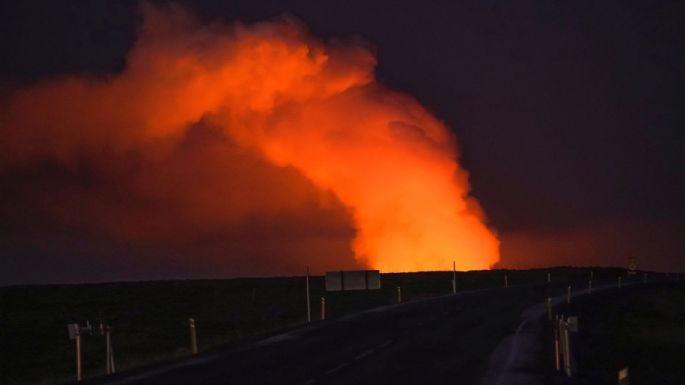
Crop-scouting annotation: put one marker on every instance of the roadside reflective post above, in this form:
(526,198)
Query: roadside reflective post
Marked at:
(567,349)
(79,374)
(570,324)
(568,294)
(193,336)
(549,308)
(557,363)
(108,351)
(399,294)
(323,308)
(506,281)
(623,376)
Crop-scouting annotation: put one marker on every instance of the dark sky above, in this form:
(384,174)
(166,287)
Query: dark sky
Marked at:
(569,117)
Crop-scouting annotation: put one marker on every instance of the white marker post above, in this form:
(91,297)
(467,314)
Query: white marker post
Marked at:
(549,277)
(109,355)
(567,349)
(193,336)
(557,363)
(399,294)
(557,342)
(108,351)
(568,295)
(323,308)
(506,281)
(79,374)
(454,278)
(623,376)
(111,359)
(562,342)
(549,308)
(592,275)
(309,307)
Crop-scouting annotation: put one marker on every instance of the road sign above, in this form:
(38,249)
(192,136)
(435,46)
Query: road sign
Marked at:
(632,266)
(75,329)
(353,280)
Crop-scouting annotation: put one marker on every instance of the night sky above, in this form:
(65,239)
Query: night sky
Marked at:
(569,118)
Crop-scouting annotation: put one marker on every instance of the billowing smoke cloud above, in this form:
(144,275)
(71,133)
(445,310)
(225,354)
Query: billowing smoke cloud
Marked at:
(215,127)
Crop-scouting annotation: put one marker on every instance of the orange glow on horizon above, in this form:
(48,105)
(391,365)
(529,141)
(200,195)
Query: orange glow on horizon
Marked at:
(299,102)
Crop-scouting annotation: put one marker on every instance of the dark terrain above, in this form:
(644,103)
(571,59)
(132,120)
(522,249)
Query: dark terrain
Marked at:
(640,326)
(437,339)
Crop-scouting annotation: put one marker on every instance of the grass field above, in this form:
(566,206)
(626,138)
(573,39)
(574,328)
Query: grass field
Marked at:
(642,327)
(149,320)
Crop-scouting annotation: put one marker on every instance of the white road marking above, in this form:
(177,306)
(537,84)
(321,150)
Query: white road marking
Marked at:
(363,354)
(331,371)
(189,363)
(276,338)
(512,353)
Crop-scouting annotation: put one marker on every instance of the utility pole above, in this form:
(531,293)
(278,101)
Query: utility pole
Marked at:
(309,307)
(454,278)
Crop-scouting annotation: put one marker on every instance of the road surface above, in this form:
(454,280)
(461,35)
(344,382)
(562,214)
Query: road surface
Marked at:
(445,340)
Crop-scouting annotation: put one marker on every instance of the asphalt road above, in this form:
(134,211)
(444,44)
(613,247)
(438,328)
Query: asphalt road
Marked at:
(437,341)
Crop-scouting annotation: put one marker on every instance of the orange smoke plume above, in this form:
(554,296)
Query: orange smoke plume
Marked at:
(298,102)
